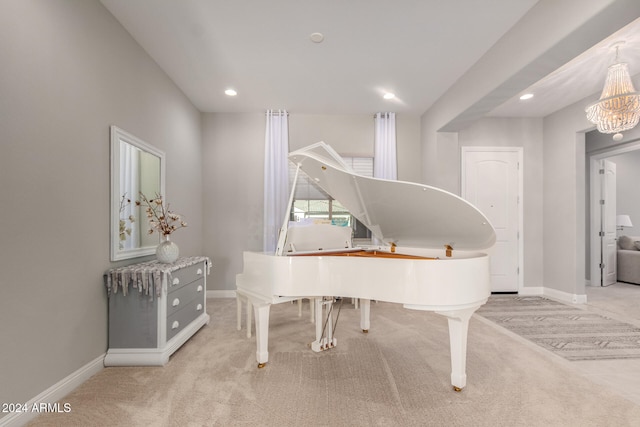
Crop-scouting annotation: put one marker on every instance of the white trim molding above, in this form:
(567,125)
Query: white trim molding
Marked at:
(54,394)
(225,293)
(565,296)
(554,294)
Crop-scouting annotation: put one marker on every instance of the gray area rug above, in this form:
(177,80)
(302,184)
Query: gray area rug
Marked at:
(570,332)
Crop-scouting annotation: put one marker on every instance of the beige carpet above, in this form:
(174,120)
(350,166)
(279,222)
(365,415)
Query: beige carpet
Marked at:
(397,375)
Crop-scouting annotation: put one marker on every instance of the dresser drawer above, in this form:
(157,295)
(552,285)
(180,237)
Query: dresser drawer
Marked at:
(184,276)
(179,298)
(183,317)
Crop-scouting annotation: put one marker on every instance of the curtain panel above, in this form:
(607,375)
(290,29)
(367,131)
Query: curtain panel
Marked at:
(385,164)
(276,175)
(384,161)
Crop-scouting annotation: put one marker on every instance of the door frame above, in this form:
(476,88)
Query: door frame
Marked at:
(594,206)
(520,152)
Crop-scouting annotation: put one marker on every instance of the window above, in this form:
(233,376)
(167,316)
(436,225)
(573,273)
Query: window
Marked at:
(310,201)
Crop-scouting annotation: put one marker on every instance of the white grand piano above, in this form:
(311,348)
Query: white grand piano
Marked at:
(431,257)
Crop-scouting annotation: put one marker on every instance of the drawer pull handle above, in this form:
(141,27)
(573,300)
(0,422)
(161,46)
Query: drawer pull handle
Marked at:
(199,288)
(175,324)
(199,307)
(176,302)
(199,272)
(176,281)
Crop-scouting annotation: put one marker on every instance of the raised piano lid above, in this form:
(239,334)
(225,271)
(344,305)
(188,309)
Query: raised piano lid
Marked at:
(398,212)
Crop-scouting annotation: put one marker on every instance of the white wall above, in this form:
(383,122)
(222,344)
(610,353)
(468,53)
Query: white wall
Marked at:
(69,70)
(233,156)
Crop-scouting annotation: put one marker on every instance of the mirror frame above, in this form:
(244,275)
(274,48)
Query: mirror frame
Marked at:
(117,136)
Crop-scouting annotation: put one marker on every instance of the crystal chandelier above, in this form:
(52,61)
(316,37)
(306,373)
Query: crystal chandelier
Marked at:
(618,108)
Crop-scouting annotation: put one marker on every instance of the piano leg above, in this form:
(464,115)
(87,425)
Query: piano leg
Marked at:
(365,306)
(249,308)
(261,312)
(458,329)
(318,302)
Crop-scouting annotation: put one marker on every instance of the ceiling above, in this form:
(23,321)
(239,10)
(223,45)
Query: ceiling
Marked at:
(416,49)
(579,78)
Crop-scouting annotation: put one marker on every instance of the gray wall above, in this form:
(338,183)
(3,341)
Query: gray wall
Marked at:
(233,156)
(564,199)
(499,75)
(69,70)
(554,217)
(503,132)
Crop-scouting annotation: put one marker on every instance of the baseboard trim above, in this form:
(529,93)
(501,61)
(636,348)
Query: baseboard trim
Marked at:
(565,296)
(54,393)
(221,294)
(553,293)
(531,291)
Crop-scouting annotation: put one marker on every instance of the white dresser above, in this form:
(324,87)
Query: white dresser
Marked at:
(154,308)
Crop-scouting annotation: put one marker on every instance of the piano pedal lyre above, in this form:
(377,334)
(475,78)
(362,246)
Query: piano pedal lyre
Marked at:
(324,329)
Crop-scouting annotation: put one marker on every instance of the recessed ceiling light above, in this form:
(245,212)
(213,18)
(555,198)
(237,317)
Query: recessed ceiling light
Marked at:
(230,92)
(526,96)
(389,95)
(316,37)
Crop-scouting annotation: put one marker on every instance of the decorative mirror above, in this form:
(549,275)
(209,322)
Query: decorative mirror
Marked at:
(136,167)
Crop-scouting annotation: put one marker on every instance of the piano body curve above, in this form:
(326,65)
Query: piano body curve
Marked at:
(442,268)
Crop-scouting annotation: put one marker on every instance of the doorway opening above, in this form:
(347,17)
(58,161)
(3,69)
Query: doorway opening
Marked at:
(602,233)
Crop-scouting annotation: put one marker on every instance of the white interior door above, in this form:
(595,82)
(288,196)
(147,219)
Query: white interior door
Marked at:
(608,242)
(491,181)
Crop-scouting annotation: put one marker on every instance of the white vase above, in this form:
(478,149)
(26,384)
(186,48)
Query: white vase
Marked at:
(167,251)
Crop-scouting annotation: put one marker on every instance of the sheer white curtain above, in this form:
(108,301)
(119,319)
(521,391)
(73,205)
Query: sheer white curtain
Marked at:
(385,164)
(276,175)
